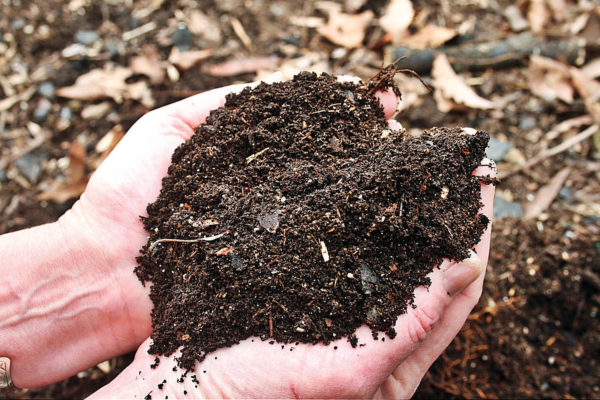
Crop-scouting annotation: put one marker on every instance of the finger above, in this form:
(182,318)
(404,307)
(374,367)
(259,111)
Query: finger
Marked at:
(387,98)
(403,382)
(389,101)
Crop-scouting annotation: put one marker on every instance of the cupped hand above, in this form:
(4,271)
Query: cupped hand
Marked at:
(131,178)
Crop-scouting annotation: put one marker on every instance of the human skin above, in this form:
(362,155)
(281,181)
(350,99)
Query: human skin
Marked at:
(69,298)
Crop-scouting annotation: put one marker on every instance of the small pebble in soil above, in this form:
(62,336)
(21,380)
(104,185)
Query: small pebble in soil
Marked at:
(31,165)
(85,37)
(47,89)
(505,209)
(497,149)
(182,37)
(43,108)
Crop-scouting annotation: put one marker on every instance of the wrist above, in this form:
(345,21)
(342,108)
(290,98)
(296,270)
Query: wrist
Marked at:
(58,302)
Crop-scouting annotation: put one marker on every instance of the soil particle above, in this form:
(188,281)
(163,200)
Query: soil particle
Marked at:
(310,239)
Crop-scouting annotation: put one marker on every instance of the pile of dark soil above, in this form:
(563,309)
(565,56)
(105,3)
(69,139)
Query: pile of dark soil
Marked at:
(296,214)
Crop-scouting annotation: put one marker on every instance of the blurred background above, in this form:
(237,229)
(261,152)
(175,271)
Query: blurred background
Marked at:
(75,75)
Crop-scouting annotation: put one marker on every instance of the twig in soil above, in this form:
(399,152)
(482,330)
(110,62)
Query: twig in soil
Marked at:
(254,156)
(239,30)
(203,239)
(501,53)
(385,78)
(553,151)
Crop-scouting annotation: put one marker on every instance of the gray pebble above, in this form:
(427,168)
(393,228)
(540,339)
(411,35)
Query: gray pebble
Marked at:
(31,165)
(503,208)
(368,279)
(43,108)
(18,24)
(66,113)
(497,149)
(47,89)
(566,194)
(3,176)
(86,38)
(527,123)
(182,37)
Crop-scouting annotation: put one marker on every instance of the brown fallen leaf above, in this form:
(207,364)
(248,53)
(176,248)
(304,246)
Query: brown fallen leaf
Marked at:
(185,60)
(515,19)
(149,65)
(63,190)
(77,155)
(430,36)
(204,26)
(588,88)
(107,144)
(538,15)
(346,30)
(546,194)
(95,111)
(550,79)
(397,18)
(559,9)
(236,67)
(111,81)
(592,69)
(451,92)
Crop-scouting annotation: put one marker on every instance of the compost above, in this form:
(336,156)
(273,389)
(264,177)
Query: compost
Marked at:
(295,214)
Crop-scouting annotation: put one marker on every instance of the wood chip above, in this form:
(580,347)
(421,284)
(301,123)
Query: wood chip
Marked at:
(324,251)
(546,194)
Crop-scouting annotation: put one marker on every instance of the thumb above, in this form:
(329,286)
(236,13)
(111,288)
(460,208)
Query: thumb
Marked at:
(458,276)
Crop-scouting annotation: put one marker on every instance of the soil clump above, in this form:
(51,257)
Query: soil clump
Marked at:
(296,214)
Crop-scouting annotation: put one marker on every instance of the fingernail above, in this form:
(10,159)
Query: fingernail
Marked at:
(460,275)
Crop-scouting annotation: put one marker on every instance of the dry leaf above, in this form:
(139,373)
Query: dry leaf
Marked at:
(108,82)
(515,19)
(592,69)
(63,190)
(546,194)
(397,18)
(236,67)
(559,9)
(550,79)
(77,154)
(451,92)
(94,111)
(107,144)
(346,30)
(187,59)
(202,25)
(354,5)
(430,36)
(587,87)
(149,65)
(538,15)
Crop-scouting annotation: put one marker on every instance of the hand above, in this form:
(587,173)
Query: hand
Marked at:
(254,368)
